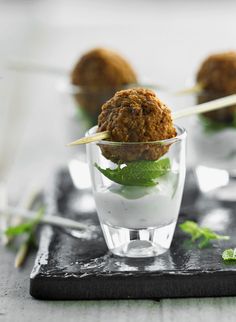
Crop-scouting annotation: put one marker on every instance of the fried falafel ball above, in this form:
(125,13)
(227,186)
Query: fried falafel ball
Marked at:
(99,74)
(135,115)
(217,75)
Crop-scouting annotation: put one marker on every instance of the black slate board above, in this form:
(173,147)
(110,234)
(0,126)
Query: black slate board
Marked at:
(67,267)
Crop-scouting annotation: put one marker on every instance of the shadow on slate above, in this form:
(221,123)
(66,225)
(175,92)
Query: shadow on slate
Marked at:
(70,268)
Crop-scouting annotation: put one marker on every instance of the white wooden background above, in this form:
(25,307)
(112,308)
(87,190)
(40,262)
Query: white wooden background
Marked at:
(165,41)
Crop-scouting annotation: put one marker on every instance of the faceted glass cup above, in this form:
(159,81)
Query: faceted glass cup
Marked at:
(138,200)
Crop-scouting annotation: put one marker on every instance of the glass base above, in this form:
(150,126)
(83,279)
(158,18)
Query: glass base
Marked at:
(136,243)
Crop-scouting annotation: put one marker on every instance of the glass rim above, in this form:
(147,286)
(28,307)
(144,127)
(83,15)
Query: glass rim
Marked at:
(179,137)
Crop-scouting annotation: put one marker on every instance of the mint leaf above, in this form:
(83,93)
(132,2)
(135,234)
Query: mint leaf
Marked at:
(137,173)
(19,229)
(201,234)
(211,126)
(25,227)
(229,254)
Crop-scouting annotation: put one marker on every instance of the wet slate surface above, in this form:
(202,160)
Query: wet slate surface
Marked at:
(68,267)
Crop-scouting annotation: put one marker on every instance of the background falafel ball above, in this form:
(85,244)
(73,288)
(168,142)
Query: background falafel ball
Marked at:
(99,74)
(136,115)
(217,74)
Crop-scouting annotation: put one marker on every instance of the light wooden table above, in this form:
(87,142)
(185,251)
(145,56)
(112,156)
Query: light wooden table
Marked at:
(165,41)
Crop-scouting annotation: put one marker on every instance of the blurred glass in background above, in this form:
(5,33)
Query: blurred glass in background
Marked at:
(164,41)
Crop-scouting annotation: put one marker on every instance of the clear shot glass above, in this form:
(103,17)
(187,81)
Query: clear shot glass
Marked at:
(214,150)
(138,200)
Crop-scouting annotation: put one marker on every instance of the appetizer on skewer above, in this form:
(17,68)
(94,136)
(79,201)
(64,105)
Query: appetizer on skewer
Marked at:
(217,78)
(137,173)
(136,115)
(192,110)
(218,73)
(97,75)
(136,157)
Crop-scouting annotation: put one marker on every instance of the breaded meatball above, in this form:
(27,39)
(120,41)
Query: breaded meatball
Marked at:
(224,115)
(136,115)
(99,74)
(217,75)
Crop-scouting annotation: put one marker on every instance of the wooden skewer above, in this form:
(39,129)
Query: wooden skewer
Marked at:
(4,221)
(55,220)
(28,204)
(195,89)
(92,138)
(195,109)
(22,253)
(206,107)
(25,246)
(36,67)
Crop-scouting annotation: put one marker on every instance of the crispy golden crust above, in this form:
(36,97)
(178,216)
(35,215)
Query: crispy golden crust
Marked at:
(218,73)
(100,73)
(102,68)
(225,115)
(136,115)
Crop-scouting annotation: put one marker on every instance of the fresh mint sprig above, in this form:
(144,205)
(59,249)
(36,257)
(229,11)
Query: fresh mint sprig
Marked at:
(27,229)
(137,173)
(212,126)
(229,254)
(202,235)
